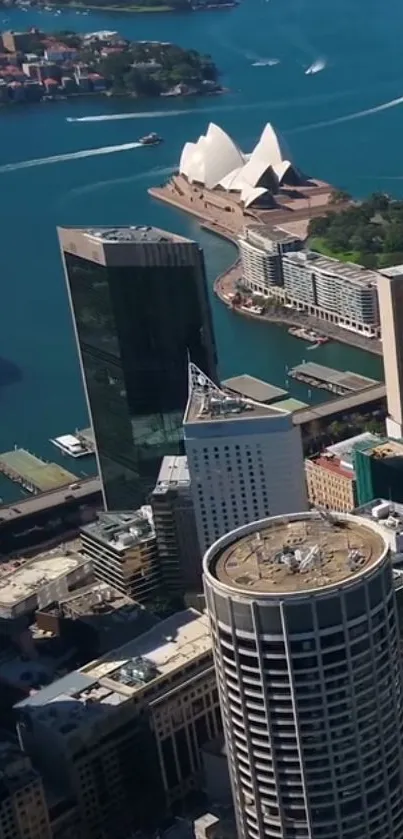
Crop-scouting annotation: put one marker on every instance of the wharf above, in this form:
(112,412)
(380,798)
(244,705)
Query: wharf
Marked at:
(326,378)
(32,473)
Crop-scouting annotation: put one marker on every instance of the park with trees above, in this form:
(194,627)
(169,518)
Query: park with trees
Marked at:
(369,232)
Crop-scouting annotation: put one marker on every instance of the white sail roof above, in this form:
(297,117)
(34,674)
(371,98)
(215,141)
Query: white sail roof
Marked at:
(216,160)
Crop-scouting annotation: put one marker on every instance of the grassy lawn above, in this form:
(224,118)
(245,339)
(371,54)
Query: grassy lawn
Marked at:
(316,243)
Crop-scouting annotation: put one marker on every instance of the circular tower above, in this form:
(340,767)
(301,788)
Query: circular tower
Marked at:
(306,646)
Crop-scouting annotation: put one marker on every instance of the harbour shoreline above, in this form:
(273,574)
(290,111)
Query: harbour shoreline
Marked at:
(225,286)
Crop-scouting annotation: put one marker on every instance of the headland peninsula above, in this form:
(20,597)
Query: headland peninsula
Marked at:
(37,66)
(138,6)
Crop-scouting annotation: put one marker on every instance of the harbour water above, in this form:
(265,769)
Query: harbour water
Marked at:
(343,123)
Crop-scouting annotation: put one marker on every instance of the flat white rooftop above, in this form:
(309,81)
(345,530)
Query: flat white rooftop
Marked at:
(35,574)
(85,696)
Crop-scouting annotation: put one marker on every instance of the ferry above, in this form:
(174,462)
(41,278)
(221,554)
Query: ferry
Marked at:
(71,445)
(308,335)
(150,139)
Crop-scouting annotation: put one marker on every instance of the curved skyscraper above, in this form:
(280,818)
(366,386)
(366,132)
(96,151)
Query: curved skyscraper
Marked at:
(306,645)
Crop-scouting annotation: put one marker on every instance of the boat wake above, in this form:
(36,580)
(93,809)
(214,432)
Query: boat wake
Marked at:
(62,158)
(316,67)
(151,174)
(385,106)
(245,106)
(266,62)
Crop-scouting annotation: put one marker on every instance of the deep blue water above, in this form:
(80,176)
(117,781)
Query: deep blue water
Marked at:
(344,124)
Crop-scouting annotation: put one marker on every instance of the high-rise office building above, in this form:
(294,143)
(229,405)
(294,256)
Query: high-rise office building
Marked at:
(140,307)
(306,644)
(245,459)
(390,296)
(174,518)
(123,735)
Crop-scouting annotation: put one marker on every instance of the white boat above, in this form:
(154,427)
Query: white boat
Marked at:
(71,445)
(316,67)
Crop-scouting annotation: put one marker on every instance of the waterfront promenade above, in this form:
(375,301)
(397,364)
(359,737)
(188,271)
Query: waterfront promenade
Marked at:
(226,286)
(293,216)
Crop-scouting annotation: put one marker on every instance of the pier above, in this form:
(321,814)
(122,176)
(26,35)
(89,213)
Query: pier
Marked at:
(326,378)
(34,474)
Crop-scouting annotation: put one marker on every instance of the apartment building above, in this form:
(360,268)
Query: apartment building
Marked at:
(330,484)
(338,292)
(123,550)
(175,528)
(23,808)
(124,733)
(261,250)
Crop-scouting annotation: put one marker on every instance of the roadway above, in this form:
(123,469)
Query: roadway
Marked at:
(49,500)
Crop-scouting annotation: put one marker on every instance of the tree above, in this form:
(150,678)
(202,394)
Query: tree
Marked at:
(378,202)
(394,238)
(339,196)
(318,226)
(368,260)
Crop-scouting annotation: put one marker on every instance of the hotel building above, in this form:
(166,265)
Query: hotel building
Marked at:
(337,292)
(261,252)
(307,653)
(124,734)
(140,308)
(245,459)
(330,484)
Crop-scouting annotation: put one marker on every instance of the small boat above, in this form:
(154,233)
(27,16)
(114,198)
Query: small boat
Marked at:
(150,139)
(316,67)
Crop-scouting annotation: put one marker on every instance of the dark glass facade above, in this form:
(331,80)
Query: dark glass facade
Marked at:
(136,326)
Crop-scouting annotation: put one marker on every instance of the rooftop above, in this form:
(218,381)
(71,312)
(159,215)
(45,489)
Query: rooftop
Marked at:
(253,388)
(34,575)
(135,235)
(341,378)
(174,473)
(333,267)
(297,553)
(385,449)
(332,464)
(290,404)
(121,530)
(209,403)
(273,234)
(345,449)
(115,617)
(84,696)
(394,272)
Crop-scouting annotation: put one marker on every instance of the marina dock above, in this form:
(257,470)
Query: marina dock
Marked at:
(32,473)
(326,378)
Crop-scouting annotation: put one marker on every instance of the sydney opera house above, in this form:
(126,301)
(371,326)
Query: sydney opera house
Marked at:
(216,162)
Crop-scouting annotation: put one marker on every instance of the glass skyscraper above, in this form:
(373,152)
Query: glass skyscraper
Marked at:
(140,309)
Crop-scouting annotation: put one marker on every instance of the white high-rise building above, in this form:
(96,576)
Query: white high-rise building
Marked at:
(245,459)
(307,653)
(261,250)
